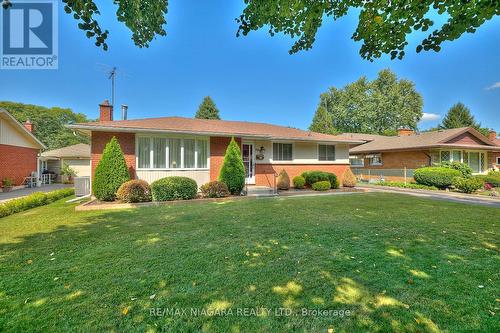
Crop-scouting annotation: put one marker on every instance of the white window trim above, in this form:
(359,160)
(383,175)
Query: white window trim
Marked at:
(498,160)
(167,152)
(272,160)
(334,152)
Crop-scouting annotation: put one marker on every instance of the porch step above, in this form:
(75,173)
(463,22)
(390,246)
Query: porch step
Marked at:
(260,191)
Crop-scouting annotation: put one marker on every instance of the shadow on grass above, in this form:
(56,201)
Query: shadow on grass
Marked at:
(112,270)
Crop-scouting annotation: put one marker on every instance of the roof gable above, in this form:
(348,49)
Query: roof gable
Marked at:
(16,127)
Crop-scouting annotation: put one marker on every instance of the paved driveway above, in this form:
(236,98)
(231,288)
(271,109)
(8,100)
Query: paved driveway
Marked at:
(27,191)
(439,195)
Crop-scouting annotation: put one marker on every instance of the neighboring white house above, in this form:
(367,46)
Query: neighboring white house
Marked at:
(77,157)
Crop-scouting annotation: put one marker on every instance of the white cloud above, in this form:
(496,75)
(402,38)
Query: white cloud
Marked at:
(495,85)
(430,117)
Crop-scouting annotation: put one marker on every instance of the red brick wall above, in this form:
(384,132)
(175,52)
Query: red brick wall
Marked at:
(127,143)
(218,146)
(264,173)
(401,159)
(17,162)
(493,160)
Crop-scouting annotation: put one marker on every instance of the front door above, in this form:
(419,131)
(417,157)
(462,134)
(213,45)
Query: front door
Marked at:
(249,162)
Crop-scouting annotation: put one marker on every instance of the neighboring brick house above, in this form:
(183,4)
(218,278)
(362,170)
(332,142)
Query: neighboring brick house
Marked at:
(195,148)
(393,157)
(19,149)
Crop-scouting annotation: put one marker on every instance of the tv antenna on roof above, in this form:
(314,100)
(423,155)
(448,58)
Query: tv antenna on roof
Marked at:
(112,75)
(112,72)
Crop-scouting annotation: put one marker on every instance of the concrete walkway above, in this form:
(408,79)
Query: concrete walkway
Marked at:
(27,191)
(439,195)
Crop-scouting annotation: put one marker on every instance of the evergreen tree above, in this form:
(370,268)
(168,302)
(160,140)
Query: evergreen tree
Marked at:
(458,116)
(110,173)
(207,110)
(232,172)
(322,122)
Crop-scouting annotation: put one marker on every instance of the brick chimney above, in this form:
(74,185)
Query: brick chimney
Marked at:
(492,135)
(106,111)
(29,126)
(405,132)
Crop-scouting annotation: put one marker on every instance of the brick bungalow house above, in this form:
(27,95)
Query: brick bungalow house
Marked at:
(19,148)
(391,157)
(160,147)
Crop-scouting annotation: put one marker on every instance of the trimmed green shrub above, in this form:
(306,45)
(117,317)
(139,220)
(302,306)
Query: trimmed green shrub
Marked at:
(215,189)
(110,173)
(494,173)
(315,176)
(33,200)
(174,188)
(232,172)
(283,182)
(322,185)
(135,190)
(467,185)
(436,176)
(349,180)
(407,185)
(464,169)
(489,179)
(299,182)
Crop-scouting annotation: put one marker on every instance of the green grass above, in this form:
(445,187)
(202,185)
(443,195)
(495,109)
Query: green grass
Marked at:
(397,263)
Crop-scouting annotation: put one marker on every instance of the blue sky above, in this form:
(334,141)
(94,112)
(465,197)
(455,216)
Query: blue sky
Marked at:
(250,78)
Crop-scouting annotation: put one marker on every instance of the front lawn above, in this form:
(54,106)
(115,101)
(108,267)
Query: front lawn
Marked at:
(395,262)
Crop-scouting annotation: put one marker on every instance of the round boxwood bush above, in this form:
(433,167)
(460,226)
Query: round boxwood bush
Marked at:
(467,185)
(174,188)
(322,185)
(283,181)
(110,173)
(215,189)
(232,172)
(299,182)
(135,190)
(436,176)
(315,176)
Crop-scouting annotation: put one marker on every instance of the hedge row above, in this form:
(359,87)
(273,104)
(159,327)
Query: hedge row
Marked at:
(33,200)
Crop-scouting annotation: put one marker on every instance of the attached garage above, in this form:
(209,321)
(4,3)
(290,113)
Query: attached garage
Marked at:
(77,157)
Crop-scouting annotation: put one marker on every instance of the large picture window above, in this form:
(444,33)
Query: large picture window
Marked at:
(326,153)
(171,153)
(474,159)
(282,151)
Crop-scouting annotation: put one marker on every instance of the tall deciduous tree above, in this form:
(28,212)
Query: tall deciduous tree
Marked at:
(460,115)
(322,122)
(49,123)
(383,26)
(207,109)
(380,106)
